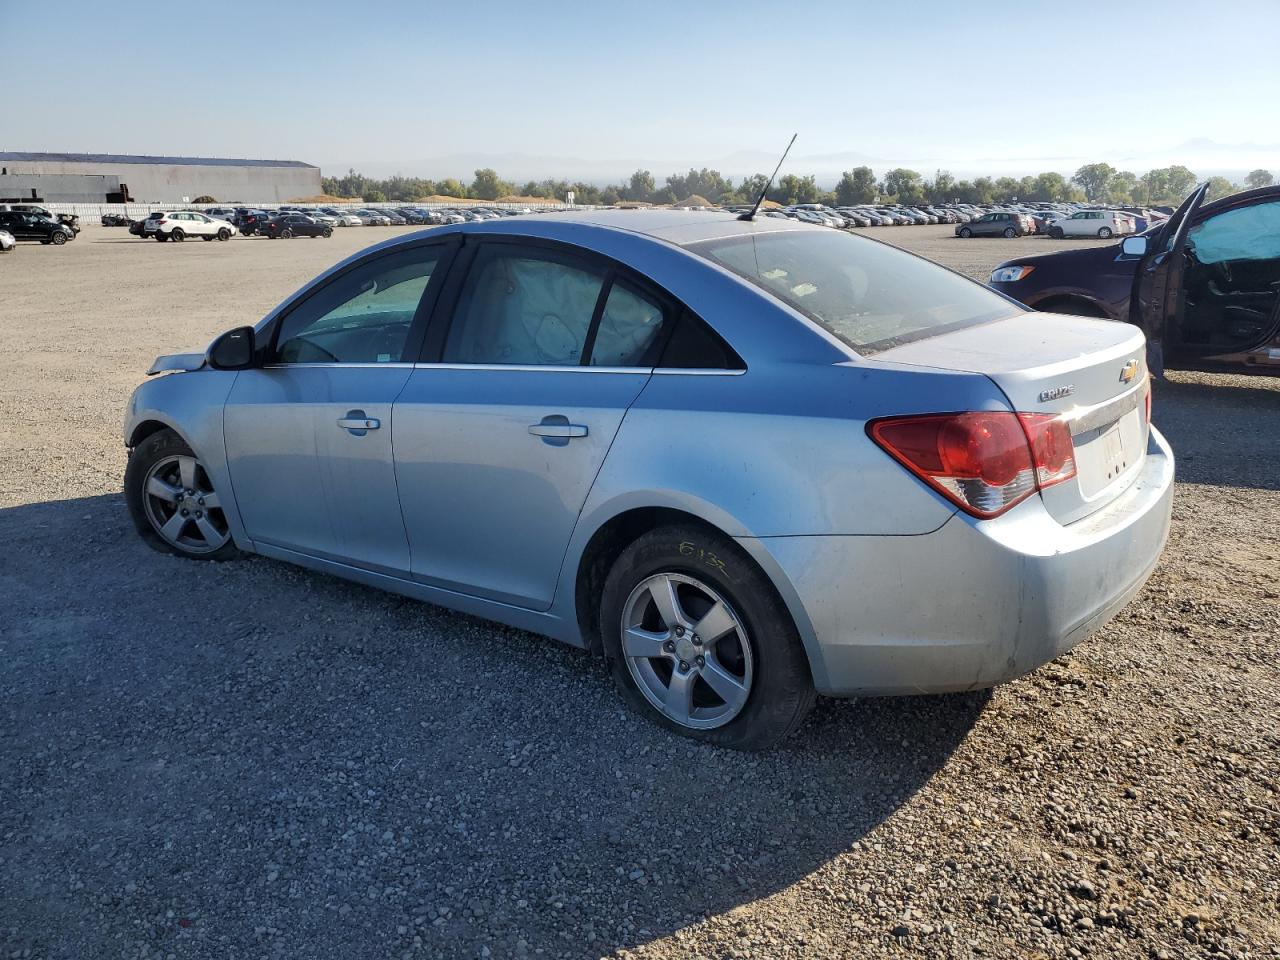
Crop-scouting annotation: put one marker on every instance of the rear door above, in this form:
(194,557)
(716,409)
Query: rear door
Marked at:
(308,434)
(1157,282)
(499,437)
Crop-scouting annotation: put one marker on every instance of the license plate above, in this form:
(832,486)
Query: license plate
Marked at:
(1113,452)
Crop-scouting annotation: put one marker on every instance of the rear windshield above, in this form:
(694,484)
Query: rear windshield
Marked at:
(870,295)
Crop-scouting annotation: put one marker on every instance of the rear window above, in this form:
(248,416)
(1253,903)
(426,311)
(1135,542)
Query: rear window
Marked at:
(869,294)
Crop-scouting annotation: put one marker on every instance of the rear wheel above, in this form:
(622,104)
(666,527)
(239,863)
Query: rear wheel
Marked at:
(698,640)
(224,234)
(1104,233)
(286,234)
(58,239)
(966,232)
(172,500)
(1056,233)
(328,232)
(1010,233)
(177,235)
(206,238)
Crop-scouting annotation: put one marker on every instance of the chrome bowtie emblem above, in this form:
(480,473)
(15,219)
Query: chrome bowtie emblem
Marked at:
(1129,371)
(1057,393)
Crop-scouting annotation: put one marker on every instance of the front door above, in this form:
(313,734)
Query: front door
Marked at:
(1157,283)
(309,433)
(500,439)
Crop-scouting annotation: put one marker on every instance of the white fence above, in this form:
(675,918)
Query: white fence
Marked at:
(92,212)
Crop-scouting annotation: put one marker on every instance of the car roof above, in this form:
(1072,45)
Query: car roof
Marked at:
(674,226)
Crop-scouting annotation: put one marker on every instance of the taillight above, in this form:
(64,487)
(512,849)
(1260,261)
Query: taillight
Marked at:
(983,462)
(1147,400)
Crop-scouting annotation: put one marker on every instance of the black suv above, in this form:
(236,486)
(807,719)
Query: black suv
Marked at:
(30,226)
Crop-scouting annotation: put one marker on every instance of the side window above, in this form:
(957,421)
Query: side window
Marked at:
(629,330)
(694,345)
(523,306)
(1244,233)
(362,316)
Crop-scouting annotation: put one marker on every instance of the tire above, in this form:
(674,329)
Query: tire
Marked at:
(758,660)
(1010,233)
(165,458)
(58,239)
(286,234)
(966,233)
(328,232)
(1104,233)
(177,235)
(1056,233)
(224,235)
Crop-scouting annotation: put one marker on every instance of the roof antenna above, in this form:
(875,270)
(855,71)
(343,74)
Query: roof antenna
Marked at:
(760,199)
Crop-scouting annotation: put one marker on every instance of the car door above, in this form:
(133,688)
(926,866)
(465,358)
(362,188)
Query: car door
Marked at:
(309,431)
(500,434)
(1157,281)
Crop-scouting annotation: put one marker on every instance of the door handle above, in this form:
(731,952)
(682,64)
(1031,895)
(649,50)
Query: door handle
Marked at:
(358,423)
(556,429)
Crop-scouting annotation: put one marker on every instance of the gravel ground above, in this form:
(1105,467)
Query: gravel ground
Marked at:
(250,760)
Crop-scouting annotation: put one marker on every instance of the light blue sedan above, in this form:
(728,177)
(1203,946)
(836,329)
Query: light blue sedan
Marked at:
(748,461)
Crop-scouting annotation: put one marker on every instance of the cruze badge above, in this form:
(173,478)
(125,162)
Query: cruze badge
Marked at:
(1129,371)
(1057,393)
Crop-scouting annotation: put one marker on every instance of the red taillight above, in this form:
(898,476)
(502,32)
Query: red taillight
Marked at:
(983,462)
(1147,400)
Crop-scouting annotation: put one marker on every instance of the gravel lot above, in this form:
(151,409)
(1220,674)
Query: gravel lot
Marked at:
(250,760)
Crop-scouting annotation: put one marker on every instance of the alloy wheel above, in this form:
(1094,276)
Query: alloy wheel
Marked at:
(687,650)
(182,506)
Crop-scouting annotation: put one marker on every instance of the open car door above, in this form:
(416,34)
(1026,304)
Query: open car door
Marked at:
(1157,283)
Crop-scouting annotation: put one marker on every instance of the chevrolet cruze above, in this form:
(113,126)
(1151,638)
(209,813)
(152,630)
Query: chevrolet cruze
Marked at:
(748,461)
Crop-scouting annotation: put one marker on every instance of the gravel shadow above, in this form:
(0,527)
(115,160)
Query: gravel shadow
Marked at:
(242,758)
(1224,433)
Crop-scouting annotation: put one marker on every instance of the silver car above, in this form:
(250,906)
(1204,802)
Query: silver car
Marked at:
(746,461)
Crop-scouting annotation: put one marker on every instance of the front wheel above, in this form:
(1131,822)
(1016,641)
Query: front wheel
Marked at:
(224,234)
(172,500)
(327,233)
(1104,233)
(966,233)
(1056,233)
(58,239)
(177,235)
(699,641)
(286,234)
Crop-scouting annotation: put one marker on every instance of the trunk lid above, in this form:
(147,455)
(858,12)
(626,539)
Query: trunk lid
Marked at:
(1092,372)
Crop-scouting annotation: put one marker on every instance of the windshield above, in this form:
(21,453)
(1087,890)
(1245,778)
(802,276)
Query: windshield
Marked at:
(870,295)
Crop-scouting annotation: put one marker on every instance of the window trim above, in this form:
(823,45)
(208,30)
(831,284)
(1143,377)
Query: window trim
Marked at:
(417,328)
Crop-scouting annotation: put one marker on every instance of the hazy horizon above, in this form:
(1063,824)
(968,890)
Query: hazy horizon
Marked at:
(578,92)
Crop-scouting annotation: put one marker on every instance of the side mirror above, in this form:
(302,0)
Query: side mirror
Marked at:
(233,350)
(1134,246)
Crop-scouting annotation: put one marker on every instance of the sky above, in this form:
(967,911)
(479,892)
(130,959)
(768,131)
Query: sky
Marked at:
(595,90)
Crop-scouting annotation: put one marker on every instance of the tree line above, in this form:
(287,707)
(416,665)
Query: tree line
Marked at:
(1094,182)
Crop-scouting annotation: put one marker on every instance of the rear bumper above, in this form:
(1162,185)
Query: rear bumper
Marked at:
(974,603)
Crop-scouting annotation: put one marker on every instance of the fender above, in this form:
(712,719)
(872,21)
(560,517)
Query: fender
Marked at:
(191,405)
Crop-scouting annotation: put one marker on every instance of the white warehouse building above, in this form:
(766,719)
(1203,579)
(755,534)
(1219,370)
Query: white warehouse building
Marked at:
(80,178)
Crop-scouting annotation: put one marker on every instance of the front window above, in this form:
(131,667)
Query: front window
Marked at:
(362,316)
(870,295)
